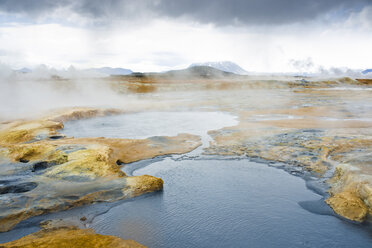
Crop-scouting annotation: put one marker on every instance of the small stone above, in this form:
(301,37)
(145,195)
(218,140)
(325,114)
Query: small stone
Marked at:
(23,160)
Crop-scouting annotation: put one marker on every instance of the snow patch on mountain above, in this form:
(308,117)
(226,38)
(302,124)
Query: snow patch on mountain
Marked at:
(227,66)
(112,71)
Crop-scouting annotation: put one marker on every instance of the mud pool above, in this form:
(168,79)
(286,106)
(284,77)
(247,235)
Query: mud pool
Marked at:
(209,201)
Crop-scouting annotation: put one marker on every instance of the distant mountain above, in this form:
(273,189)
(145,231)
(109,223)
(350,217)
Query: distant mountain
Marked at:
(195,72)
(112,71)
(227,66)
(199,72)
(24,70)
(367,71)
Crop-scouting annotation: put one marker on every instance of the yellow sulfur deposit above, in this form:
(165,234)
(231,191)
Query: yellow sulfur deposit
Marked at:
(70,237)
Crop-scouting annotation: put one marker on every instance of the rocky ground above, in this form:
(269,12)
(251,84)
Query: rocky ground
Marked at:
(315,125)
(42,171)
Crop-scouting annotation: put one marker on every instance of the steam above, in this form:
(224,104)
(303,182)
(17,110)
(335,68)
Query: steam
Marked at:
(302,66)
(24,95)
(342,72)
(307,67)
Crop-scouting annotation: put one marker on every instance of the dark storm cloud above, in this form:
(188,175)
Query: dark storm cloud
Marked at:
(256,11)
(220,12)
(30,7)
(88,8)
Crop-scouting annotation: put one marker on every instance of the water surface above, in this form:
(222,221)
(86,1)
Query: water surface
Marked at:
(228,203)
(147,124)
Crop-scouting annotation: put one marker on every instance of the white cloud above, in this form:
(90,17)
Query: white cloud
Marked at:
(361,20)
(51,44)
(164,44)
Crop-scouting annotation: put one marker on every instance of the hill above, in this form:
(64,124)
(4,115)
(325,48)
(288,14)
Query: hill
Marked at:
(227,66)
(194,72)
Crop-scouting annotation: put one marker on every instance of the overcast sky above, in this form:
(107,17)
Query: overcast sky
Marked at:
(157,35)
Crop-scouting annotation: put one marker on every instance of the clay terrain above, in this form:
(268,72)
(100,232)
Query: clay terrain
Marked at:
(321,126)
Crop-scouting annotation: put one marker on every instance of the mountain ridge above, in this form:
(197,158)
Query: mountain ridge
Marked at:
(188,73)
(112,71)
(226,66)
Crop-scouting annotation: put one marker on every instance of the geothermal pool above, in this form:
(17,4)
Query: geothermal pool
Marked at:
(229,203)
(209,201)
(217,202)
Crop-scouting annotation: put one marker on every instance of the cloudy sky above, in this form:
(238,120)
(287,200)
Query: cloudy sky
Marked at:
(157,35)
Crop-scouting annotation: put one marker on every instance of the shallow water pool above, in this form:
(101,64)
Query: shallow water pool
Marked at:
(209,202)
(147,124)
(228,203)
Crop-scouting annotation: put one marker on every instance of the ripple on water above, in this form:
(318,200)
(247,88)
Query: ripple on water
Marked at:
(229,203)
